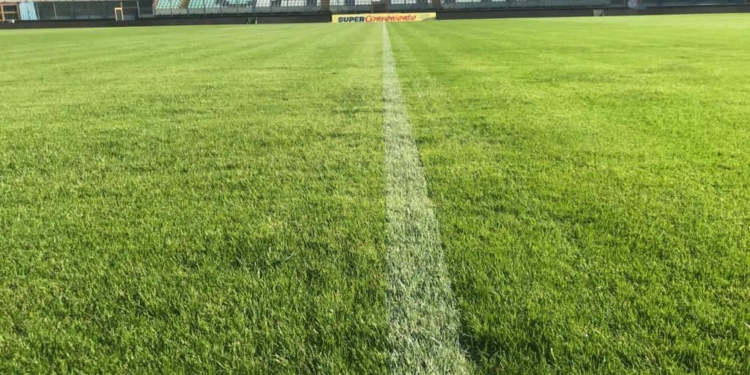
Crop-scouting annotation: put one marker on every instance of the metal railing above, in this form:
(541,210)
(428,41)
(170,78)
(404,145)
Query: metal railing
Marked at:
(214,7)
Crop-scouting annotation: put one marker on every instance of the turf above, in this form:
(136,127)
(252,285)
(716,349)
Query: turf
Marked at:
(192,200)
(212,199)
(592,184)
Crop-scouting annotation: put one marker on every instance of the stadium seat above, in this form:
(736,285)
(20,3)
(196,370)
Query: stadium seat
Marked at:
(168,4)
(262,5)
(203,4)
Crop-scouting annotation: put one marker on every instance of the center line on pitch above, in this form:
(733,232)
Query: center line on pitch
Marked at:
(422,318)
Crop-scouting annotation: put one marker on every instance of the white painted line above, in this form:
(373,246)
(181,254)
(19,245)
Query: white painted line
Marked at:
(423,321)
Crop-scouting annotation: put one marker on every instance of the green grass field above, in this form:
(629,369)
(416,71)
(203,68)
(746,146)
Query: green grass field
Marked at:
(212,199)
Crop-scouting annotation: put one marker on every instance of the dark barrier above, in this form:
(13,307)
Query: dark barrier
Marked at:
(696,9)
(586,12)
(175,21)
(514,13)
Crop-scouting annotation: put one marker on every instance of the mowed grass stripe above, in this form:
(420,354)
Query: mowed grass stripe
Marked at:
(590,188)
(422,318)
(217,208)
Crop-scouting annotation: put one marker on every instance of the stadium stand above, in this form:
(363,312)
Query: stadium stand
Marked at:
(52,10)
